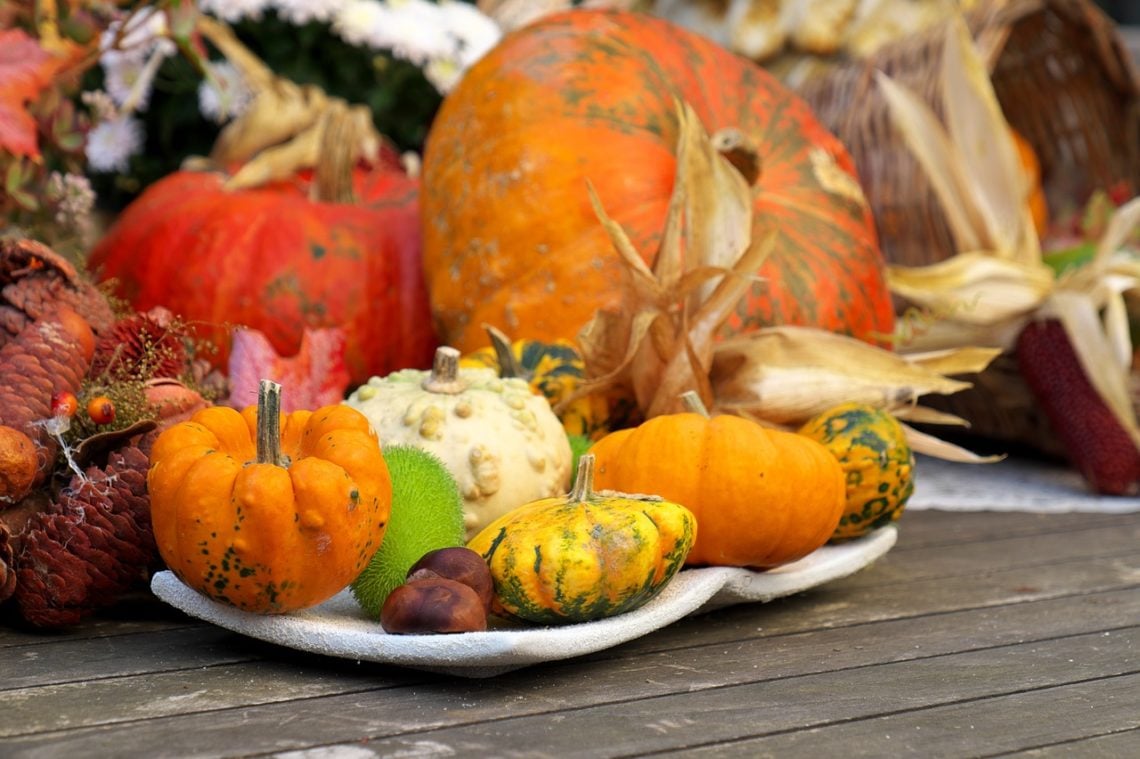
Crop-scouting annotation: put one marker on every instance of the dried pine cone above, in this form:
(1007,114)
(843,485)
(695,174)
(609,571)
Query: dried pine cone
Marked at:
(35,281)
(46,357)
(89,547)
(7,564)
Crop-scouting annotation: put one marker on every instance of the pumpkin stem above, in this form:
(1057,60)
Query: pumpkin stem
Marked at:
(269,424)
(584,480)
(342,131)
(508,365)
(740,151)
(693,403)
(444,377)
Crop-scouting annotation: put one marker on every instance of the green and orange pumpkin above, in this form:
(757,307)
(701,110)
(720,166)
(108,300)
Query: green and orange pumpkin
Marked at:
(510,237)
(586,555)
(877,461)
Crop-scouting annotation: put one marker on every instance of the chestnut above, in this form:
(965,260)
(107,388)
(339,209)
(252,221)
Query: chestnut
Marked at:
(460,564)
(433,605)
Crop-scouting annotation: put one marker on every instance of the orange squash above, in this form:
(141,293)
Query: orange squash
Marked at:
(510,237)
(762,497)
(267,512)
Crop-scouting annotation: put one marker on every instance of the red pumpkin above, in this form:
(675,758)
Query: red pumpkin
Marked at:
(510,238)
(274,260)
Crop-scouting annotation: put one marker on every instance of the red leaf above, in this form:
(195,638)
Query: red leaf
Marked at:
(25,70)
(317,376)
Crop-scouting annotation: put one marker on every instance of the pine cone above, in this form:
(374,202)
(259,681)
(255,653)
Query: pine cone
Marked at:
(43,359)
(35,281)
(91,546)
(7,564)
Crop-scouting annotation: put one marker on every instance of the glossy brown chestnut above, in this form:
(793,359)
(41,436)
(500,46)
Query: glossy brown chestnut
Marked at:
(433,605)
(459,564)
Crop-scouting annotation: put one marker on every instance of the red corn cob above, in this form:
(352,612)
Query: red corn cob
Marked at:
(1097,445)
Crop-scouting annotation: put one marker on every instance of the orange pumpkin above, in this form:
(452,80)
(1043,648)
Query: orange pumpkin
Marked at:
(762,497)
(267,512)
(510,237)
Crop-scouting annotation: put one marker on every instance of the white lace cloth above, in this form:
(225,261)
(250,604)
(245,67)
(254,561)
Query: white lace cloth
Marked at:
(1013,484)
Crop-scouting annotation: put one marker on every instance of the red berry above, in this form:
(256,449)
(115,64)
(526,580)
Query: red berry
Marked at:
(64,403)
(101,409)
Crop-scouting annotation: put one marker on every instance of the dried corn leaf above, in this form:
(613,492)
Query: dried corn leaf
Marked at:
(974,288)
(955,361)
(929,445)
(985,148)
(785,375)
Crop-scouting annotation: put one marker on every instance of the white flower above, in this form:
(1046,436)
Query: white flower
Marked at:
(234,10)
(473,31)
(357,21)
(301,12)
(224,93)
(443,73)
(137,36)
(128,79)
(418,32)
(111,144)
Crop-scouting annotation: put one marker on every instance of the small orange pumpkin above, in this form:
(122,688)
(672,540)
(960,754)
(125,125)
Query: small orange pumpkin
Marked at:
(762,497)
(267,512)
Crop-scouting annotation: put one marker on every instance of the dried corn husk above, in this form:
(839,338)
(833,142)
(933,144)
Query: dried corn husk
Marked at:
(287,126)
(998,281)
(662,341)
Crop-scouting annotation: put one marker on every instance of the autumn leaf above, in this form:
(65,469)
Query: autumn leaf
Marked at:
(25,70)
(316,376)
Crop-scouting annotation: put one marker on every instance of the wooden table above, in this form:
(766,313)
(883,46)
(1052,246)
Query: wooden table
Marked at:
(979,634)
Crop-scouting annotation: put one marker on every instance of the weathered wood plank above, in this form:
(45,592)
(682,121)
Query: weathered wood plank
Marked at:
(71,660)
(827,653)
(1125,743)
(729,713)
(138,613)
(928,528)
(1068,720)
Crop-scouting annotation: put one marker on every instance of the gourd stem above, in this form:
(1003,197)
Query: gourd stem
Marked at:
(508,366)
(740,151)
(693,403)
(584,480)
(269,424)
(444,377)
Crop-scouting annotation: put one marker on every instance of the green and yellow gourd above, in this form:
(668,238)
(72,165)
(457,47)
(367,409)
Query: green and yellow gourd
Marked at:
(586,555)
(554,369)
(877,461)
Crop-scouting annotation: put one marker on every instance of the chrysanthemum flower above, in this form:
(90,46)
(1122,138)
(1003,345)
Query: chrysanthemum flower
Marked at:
(223,94)
(111,144)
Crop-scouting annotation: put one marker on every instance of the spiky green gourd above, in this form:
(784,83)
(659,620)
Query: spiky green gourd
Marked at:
(427,513)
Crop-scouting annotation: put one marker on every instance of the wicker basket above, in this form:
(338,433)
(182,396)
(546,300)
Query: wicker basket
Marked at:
(1065,81)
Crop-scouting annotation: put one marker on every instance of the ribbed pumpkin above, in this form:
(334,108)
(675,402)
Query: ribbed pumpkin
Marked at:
(586,555)
(554,369)
(762,497)
(871,446)
(274,259)
(510,237)
(267,512)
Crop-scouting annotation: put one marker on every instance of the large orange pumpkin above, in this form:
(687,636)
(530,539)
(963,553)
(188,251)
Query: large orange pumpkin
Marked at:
(275,260)
(510,238)
(762,497)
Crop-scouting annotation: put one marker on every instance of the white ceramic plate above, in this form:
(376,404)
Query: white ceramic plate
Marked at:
(338,627)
